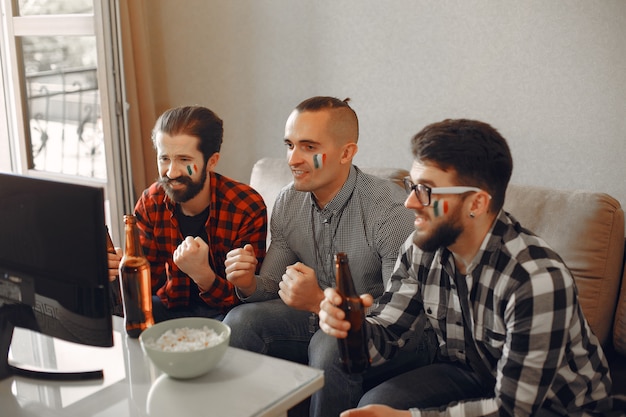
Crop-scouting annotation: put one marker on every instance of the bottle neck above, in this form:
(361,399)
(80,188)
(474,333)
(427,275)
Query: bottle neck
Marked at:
(344,283)
(132,243)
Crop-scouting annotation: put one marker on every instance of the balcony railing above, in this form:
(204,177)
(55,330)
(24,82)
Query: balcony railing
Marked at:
(65,122)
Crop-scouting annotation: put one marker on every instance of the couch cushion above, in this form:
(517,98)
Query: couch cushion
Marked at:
(587,230)
(268,176)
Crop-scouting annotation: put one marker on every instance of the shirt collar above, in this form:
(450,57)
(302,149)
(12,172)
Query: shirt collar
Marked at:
(340,200)
(490,244)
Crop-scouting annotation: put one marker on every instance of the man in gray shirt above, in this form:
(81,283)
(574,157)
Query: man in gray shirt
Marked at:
(331,206)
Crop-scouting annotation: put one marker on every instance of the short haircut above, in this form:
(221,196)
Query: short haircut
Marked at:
(193,121)
(345,120)
(478,154)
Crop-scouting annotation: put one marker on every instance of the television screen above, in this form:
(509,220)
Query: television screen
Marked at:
(53,262)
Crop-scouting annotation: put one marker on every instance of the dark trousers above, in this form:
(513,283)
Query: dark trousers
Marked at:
(428,386)
(162,313)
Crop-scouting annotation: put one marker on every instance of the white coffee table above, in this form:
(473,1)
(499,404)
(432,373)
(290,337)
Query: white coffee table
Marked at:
(244,384)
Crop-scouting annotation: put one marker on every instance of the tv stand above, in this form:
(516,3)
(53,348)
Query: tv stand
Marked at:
(9,315)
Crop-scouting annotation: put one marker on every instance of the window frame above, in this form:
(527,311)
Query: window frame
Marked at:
(103,23)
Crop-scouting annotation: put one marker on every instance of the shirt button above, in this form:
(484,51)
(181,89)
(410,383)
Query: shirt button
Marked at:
(429,310)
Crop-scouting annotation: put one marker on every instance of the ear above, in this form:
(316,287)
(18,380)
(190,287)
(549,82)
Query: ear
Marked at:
(348,152)
(480,203)
(212,163)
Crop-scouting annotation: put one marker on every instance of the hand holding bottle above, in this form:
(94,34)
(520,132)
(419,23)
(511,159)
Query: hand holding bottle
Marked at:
(353,349)
(332,317)
(114,259)
(114,256)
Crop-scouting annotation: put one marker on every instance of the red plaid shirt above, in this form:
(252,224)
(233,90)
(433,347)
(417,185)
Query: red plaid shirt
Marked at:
(237,216)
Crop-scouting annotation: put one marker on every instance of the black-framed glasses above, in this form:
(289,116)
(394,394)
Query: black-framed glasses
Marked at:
(423,192)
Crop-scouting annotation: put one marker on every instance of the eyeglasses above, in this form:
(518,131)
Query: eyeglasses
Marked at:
(423,192)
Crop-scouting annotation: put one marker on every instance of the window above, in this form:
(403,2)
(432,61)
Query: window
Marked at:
(62,93)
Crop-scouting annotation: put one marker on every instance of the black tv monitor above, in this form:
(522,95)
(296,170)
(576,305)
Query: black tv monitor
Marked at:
(53,267)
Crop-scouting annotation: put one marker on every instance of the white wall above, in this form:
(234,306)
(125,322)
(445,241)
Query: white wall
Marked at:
(550,75)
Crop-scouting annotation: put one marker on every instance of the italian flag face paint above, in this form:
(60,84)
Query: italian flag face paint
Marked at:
(318,160)
(191,170)
(440,207)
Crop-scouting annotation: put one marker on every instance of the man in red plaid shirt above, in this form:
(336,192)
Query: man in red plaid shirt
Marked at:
(192,216)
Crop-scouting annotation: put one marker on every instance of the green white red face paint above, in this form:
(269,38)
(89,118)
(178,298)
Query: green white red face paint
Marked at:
(440,207)
(318,160)
(192,169)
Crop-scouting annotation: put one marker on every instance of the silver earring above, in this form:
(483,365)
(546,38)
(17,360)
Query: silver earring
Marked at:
(472,215)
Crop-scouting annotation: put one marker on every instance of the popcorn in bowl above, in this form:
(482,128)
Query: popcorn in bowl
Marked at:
(186,347)
(186,339)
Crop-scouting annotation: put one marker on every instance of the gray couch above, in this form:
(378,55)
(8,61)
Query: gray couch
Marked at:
(585,228)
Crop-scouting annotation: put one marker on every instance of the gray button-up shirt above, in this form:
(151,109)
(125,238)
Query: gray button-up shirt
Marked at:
(366,219)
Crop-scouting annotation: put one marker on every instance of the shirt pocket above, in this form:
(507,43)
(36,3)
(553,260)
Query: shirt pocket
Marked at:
(491,337)
(436,314)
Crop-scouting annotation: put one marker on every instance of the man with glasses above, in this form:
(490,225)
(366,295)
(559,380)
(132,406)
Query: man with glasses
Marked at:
(512,336)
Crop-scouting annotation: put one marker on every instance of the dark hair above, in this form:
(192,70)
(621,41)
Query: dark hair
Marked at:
(323,102)
(193,121)
(476,151)
(347,115)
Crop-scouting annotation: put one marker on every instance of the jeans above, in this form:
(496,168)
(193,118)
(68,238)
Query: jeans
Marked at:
(275,329)
(271,328)
(162,313)
(428,386)
(433,386)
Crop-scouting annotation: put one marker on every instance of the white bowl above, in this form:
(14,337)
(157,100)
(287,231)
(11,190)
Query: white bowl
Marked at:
(188,364)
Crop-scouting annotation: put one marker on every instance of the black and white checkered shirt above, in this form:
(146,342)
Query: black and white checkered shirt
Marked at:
(527,323)
(366,219)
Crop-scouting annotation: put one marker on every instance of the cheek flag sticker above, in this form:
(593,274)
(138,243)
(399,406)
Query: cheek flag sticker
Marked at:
(440,207)
(318,160)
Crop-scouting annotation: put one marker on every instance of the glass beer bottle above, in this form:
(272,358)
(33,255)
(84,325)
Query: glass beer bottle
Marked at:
(135,280)
(353,349)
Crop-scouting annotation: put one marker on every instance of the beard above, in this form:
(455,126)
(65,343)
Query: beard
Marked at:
(445,234)
(191,189)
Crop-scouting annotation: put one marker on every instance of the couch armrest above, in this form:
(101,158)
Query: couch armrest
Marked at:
(587,230)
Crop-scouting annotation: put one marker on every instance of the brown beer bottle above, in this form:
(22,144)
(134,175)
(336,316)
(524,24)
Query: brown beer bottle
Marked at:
(135,280)
(114,286)
(353,349)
